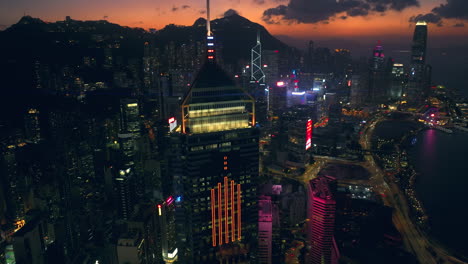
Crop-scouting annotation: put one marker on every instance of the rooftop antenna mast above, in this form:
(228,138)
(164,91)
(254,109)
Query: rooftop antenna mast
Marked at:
(209,35)
(208,21)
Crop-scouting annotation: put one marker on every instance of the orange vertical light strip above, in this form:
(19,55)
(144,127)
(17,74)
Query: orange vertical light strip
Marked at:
(226,208)
(233,225)
(220,215)
(239,217)
(253,115)
(213,217)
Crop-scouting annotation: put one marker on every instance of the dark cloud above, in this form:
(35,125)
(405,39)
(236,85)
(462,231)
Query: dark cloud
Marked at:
(459,25)
(259,2)
(105,17)
(313,11)
(202,12)
(380,8)
(270,16)
(429,18)
(176,8)
(230,12)
(358,12)
(399,5)
(453,9)
(456,9)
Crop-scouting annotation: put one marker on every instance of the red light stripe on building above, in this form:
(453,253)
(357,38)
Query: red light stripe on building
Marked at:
(233,219)
(213,217)
(239,227)
(226,211)
(220,215)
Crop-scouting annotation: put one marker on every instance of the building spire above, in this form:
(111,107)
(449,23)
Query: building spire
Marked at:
(208,21)
(209,36)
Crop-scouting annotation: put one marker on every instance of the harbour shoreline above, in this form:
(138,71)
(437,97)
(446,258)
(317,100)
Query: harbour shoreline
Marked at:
(418,213)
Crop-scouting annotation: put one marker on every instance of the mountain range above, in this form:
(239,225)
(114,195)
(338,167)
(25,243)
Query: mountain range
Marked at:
(236,34)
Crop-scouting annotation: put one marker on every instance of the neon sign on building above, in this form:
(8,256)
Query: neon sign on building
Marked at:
(308,134)
(172,123)
(226,213)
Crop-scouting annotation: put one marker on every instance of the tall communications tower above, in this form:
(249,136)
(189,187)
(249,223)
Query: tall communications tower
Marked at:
(256,73)
(208,22)
(209,36)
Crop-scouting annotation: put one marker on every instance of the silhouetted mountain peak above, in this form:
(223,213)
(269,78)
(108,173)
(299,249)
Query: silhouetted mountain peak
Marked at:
(199,22)
(25,20)
(234,17)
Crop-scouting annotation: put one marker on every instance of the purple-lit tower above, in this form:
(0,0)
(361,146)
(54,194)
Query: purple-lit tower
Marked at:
(378,57)
(265,227)
(321,215)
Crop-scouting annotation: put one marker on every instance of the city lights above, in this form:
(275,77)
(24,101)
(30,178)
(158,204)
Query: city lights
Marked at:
(150,142)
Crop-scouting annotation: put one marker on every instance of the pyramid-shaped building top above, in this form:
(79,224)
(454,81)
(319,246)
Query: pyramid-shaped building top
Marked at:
(215,103)
(212,84)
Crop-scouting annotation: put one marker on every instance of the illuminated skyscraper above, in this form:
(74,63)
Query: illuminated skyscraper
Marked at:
(321,215)
(271,64)
(214,165)
(377,75)
(378,57)
(300,127)
(123,192)
(129,116)
(278,97)
(217,157)
(256,73)
(129,129)
(417,75)
(397,81)
(418,50)
(31,124)
(166,214)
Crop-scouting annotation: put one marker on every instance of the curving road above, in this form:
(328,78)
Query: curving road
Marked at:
(415,240)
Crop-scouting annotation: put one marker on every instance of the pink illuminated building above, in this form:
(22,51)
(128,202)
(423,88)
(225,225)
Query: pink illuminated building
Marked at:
(265,227)
(321,216)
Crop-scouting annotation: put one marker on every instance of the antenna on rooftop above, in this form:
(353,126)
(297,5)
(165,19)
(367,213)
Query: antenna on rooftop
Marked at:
(209,35)
(208,22)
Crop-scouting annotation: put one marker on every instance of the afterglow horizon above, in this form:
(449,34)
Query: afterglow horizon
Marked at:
(157,14)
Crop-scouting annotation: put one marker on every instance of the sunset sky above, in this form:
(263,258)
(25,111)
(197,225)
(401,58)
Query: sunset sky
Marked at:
(299,18)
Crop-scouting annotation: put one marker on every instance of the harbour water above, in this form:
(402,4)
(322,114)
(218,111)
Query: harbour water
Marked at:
(441,159)
(442,186)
